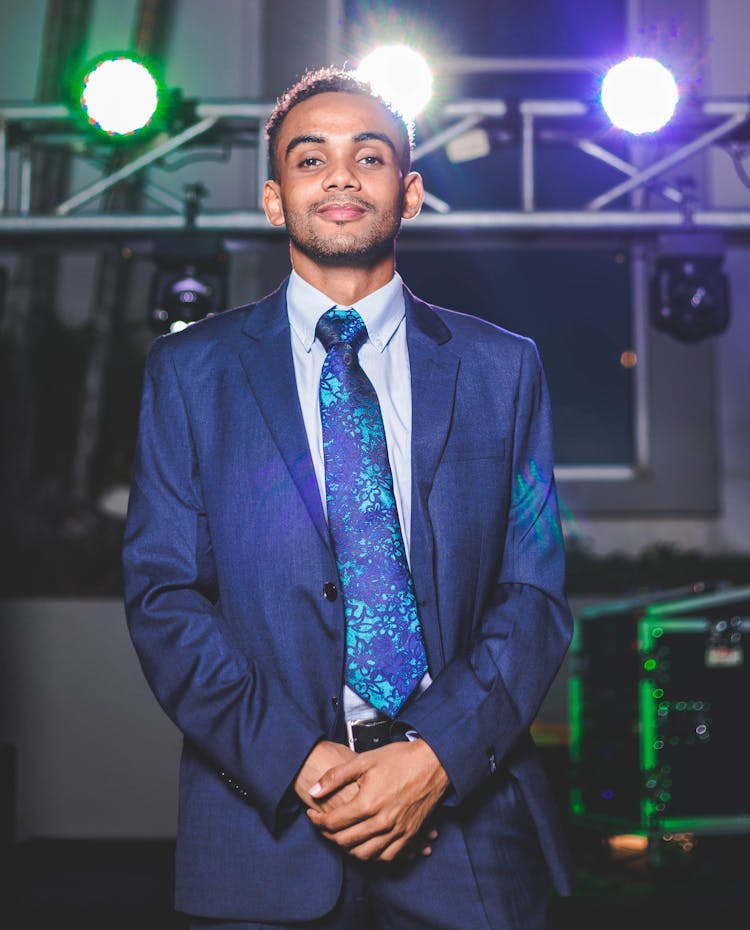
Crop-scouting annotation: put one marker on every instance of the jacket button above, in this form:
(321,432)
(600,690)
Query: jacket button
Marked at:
(330,591)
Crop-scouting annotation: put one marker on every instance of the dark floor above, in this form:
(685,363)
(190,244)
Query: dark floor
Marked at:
(127,885)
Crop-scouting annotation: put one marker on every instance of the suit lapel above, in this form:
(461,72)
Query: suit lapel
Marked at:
(434,374)
(269,368)
(434,369)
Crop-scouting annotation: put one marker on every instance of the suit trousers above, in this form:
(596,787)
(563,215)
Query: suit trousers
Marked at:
(484,873)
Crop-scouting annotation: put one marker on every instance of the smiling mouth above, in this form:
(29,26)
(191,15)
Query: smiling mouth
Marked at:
(341,212)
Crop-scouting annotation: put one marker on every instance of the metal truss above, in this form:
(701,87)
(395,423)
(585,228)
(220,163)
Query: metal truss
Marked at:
(526,124)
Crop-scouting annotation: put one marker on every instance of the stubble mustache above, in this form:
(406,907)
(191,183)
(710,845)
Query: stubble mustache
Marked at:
(348,199)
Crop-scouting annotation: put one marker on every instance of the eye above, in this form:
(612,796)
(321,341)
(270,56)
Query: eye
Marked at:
(310,162)
(371,160)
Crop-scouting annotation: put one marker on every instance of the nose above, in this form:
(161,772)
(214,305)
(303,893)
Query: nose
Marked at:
(341,176)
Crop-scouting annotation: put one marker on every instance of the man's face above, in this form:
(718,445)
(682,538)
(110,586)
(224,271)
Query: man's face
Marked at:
(341,192)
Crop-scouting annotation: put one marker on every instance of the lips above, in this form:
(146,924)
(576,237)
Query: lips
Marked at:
(341,212)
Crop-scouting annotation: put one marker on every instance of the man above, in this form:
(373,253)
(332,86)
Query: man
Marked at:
(239,580)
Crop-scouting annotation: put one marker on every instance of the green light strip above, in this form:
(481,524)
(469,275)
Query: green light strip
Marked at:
(704,824)
(647,713)
(575,716)
(646,703)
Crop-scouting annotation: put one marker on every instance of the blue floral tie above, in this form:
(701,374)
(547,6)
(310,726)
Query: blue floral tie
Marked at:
(385,654)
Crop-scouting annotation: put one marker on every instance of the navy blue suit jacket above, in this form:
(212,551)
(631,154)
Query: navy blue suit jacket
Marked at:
(226,554)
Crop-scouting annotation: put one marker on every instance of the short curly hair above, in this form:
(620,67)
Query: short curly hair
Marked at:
(337,81)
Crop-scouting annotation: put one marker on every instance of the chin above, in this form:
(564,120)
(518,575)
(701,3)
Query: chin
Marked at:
(349,255)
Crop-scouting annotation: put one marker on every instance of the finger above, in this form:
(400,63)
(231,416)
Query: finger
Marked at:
(391,851)
(381,848)
(342,816)
(338,799)
(414,852)
(336,777)
(420,845)
(362,832)
(335,818)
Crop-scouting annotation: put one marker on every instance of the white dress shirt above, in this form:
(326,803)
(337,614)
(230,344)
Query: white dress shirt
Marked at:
(385,359)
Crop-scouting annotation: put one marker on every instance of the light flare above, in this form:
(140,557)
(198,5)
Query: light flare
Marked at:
(639,95)
(400,75)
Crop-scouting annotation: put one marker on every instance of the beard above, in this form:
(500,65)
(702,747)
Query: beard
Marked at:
(342,248)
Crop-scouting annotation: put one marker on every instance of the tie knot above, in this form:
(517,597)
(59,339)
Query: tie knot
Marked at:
(339,325)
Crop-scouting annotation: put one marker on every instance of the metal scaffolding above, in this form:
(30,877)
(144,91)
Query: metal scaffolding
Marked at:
(527,125)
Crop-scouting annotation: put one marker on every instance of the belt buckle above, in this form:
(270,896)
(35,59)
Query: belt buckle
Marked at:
(360,740)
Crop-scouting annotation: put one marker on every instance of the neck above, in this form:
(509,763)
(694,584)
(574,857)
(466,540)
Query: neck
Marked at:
(344,284)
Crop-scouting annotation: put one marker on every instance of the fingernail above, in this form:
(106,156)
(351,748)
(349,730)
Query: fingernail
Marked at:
(316,789)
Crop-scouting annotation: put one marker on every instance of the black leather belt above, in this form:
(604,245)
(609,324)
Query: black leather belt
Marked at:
(368,734)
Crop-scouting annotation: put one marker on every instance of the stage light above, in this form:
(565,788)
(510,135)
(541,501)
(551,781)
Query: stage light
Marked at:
(185,300)
(639,95)
(689,292)
(188,286)
(119,95)
(401,76)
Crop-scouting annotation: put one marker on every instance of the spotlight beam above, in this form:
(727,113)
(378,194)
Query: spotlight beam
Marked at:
(163,148)
(670,161)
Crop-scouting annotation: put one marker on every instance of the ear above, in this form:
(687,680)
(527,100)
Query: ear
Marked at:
(272,205)
(413,195)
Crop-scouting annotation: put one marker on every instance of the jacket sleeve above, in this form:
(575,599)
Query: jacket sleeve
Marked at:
(222,700)
(482,703)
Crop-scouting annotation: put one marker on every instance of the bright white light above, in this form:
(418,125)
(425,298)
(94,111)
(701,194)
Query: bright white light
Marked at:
(399,75)
(119,96)
(639,95)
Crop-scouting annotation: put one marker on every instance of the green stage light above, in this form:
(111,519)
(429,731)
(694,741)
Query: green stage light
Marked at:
(120,96)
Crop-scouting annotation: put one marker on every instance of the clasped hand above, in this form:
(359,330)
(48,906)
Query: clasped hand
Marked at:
(373,804)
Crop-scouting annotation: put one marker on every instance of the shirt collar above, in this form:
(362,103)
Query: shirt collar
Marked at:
(382,311)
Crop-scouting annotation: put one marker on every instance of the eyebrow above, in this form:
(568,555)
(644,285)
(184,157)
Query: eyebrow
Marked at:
(303,140)
(377,137)
(320,140)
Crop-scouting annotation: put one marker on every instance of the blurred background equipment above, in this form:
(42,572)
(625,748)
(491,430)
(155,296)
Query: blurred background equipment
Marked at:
(690,297)
(189,283)
(658,702)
